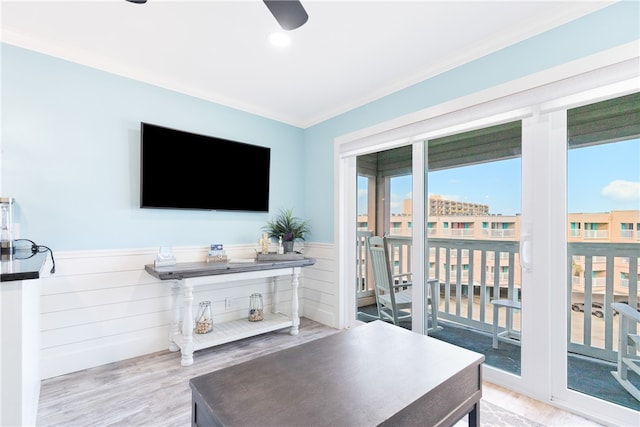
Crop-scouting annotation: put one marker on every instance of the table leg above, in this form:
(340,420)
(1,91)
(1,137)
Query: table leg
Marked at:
(275,296)
(435,302)
(474,416)
(187,324)
(174,330)
(509,322)
(295,274)
(496,311)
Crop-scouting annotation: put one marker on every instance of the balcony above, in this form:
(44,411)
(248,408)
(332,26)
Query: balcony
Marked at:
(493,270)
(461,232)
(626,234)
(503,233)
(596,234)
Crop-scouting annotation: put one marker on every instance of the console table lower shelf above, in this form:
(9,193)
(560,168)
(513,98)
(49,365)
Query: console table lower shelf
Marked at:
(234,330)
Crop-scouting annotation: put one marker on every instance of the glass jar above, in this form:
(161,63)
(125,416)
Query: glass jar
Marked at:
(6,226)
(264,243)
(204,321)
(255,308)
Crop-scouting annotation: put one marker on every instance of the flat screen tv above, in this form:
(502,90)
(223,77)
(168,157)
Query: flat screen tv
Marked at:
(183,170)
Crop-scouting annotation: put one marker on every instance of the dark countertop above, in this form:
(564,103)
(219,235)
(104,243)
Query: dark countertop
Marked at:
(197,269)
(22,265)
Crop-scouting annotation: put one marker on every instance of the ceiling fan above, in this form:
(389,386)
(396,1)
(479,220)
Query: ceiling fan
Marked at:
(290,14)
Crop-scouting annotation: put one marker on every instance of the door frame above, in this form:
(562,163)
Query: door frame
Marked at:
(539,101)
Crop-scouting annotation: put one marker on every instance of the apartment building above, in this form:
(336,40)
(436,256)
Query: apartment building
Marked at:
(615,228)
(439,206)
(449,219)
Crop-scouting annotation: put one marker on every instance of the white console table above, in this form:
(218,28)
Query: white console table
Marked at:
(183,278)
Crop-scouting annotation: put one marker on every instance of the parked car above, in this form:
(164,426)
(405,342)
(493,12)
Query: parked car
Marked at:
(596,308)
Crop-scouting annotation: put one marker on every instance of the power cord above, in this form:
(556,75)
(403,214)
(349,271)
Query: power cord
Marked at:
(36,249)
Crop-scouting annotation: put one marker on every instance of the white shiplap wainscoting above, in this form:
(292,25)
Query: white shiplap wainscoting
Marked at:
(319,290)
(101,306)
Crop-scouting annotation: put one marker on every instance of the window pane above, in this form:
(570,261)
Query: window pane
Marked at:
(400,221)
(384,208)
(473,231)
(603,189)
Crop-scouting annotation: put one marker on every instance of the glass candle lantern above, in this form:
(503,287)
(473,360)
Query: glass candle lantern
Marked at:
(255,308)
(264,243)
(204,321)
(6,226)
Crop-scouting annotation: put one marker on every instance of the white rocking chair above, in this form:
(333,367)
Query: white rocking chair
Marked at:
(393,292)
(628,343)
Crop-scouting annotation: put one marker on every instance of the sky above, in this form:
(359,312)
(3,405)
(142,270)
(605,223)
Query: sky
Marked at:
(600,178)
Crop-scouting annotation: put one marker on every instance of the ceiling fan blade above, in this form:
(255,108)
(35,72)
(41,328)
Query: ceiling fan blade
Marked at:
(289,13)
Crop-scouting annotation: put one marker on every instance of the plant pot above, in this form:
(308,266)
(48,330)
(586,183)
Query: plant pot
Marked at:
(288,246)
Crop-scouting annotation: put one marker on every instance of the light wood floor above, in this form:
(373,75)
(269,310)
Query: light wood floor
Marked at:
(153,390)
(532,409)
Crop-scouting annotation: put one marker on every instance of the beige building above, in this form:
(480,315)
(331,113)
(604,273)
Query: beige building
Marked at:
(440,207)
(472,221)
(610,227)
(615,228)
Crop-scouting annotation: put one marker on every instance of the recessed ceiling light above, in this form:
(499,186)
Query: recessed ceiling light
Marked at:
(280,39)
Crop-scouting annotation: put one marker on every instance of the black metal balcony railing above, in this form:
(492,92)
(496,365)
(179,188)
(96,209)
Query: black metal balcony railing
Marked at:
(472,272)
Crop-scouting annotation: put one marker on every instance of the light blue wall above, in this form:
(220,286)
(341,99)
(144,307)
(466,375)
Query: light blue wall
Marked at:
(70,141)
(610,27)
(70,158)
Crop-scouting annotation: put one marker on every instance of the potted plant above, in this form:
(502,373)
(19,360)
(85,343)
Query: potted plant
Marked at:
(287,227)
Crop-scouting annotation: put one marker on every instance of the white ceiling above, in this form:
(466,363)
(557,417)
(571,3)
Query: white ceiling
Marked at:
(347,54)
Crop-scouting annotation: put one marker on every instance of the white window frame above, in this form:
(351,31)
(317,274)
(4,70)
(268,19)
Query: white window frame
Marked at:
(540,101)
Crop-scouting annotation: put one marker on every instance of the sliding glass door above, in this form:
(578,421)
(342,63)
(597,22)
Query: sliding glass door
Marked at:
(603,244)
(384,208)
(537,206)
(472,226)
(473,234)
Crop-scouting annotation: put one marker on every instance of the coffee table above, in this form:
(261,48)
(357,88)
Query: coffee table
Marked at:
(374,374)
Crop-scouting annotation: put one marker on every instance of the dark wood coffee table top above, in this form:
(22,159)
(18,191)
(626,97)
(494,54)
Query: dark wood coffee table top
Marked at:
(370,375)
